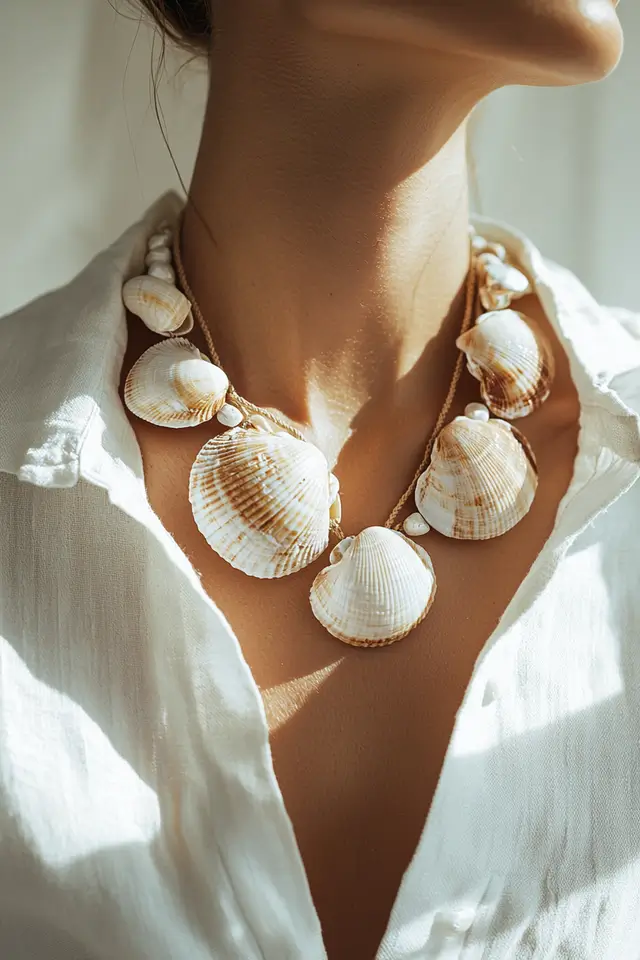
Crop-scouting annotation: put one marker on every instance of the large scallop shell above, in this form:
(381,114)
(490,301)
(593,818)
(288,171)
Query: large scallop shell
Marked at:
(481,481)
(377,589)
(262,500)
(174,385)
(513,361)
(159,304)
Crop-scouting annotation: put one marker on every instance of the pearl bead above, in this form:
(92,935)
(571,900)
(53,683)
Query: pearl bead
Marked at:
(162,270)
(163,255)
(415,526)
(229,416)
(477,411)
(262,423)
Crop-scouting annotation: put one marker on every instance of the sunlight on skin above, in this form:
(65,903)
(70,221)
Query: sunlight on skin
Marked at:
(286,699)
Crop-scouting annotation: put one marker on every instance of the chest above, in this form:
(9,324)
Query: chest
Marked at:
(358,737)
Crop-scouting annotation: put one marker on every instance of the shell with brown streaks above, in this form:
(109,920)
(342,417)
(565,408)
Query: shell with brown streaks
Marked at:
(262,501)
(481,481)
(513,361)
(159,304)
(174,385)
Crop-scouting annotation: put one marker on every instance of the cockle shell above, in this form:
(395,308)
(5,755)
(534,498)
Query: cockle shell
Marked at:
(513,361)
(376,590)
(160,305)
(174,385)
(261,501)
(500,282)
(481,481)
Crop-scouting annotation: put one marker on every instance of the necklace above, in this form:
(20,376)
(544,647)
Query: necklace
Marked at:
(264,497)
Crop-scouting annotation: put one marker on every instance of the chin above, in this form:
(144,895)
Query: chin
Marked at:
(585,48)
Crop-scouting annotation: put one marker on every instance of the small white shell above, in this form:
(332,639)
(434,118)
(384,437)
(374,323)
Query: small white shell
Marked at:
(480,244)
(416,526)
(159,240)
(164,271)
(173,385)
(159,255)
(261,501)
(513,361)
(481,481)
(160,305)
(229,416)
(500,283)
(379,587)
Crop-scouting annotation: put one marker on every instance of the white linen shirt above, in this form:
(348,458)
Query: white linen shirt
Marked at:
(140,816)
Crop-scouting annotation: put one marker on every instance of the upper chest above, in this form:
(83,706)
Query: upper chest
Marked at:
(358,737)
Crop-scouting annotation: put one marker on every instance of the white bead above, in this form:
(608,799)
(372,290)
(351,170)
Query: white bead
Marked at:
(415,526)
(262,423)
(229,416)
(162,270)
(163,255)
(477,411)
(334,487)
(159,240)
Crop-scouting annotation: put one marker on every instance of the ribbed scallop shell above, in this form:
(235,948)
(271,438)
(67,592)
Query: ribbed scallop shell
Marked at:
(261,501)
(159,304)
(513,361)
(173,385)
(378,589)
(481,481)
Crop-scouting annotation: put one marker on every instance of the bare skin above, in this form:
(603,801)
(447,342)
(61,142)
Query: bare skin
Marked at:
(332,180)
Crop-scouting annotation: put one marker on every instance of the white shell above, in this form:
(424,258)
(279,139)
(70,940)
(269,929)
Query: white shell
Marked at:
(159,255)
(377,589)
(262,501)
(164,271)
(481,481)
(159,240)
(229,416)
(480,244)
(160,305)
(500,283)
(416,526)
(334,487)
(173,385)
(513,361)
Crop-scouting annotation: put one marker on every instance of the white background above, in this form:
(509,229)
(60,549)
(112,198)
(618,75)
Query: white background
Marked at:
(82,155)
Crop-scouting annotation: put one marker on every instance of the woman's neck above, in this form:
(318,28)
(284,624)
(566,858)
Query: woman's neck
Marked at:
(332,266)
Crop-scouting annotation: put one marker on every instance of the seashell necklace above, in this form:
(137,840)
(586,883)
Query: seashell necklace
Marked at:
(264,497)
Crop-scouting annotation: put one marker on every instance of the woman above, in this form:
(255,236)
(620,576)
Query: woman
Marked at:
(192,764)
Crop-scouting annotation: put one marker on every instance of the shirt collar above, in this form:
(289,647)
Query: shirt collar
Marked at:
(60,366)
(63,352)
